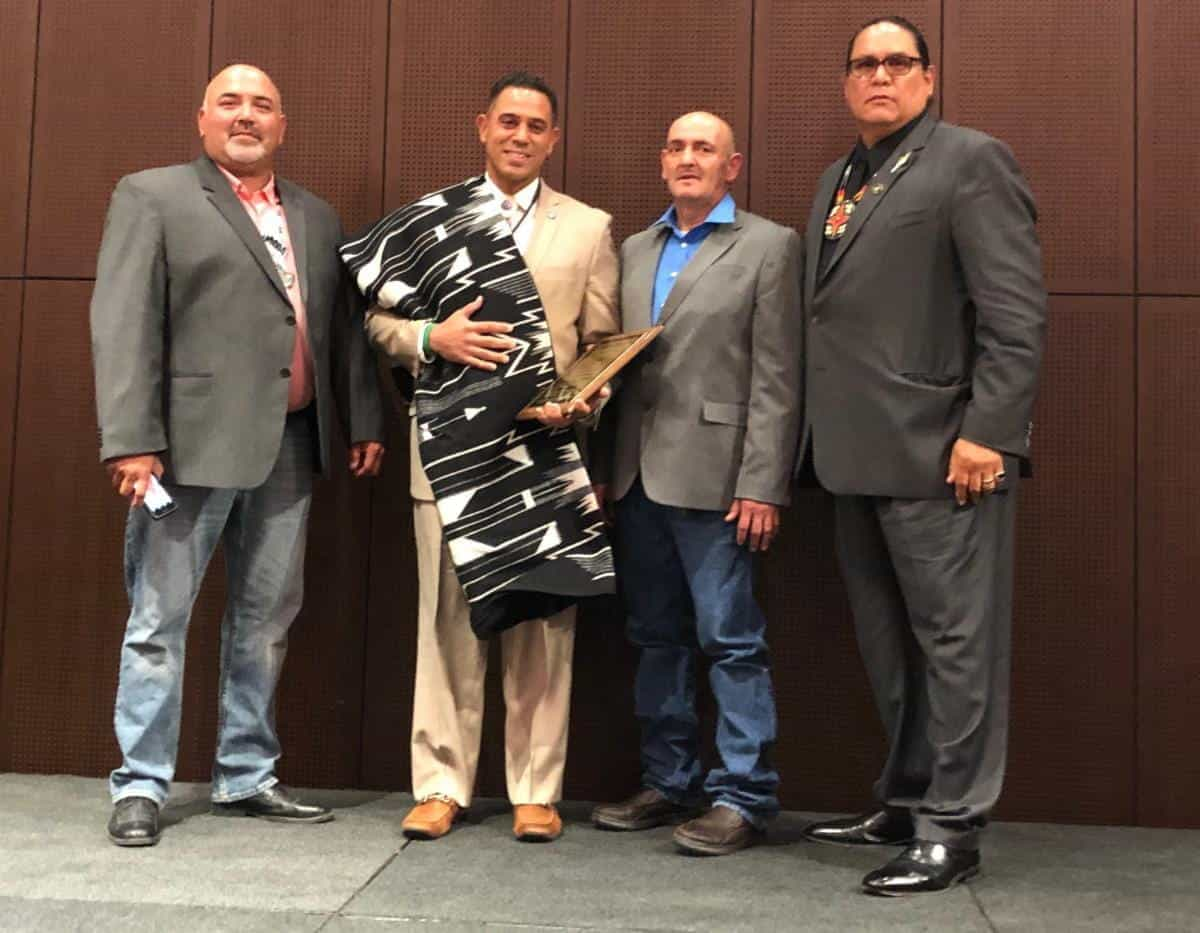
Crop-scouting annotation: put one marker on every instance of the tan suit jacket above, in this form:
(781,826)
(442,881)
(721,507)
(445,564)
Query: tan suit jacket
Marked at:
(574,267)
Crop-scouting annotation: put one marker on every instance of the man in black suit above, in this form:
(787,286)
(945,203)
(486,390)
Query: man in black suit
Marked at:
(925,320)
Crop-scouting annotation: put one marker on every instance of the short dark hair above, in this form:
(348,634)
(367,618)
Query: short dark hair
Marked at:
(906,25)
(525,79)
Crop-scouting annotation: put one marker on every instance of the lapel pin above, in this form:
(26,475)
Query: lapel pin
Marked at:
(878,188)
(901,163)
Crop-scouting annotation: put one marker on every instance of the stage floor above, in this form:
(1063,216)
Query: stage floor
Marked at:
(58,871)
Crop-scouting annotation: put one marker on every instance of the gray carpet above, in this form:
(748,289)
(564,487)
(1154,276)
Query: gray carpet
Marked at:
(358,875)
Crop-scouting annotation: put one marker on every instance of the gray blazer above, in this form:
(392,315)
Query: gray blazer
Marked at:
(192,329)
(929,321)
(709,413)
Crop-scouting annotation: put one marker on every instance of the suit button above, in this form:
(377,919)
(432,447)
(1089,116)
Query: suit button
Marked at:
(286,373)
(816,319)
(291,319)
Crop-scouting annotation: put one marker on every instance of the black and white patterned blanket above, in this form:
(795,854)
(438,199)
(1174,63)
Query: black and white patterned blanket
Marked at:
(523,528)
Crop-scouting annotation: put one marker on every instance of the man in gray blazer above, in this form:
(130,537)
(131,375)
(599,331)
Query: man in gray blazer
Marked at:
(219,315)
(706,432)
(925,317)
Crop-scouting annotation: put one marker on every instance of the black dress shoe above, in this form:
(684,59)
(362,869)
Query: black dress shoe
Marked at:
(881,828)
(720,831)
(923,867)
(134,822)
(275,804)
(645,809)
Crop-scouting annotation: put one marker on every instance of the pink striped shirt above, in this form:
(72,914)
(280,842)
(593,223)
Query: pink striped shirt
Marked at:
(266,210)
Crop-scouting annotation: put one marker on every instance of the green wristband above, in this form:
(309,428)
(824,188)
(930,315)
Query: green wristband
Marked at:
(426,344)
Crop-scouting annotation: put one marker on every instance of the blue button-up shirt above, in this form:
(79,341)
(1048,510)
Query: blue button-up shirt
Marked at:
(680,247)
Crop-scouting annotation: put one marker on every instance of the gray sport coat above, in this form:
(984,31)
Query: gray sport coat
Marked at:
(192,329)
(708,413)
(929,321)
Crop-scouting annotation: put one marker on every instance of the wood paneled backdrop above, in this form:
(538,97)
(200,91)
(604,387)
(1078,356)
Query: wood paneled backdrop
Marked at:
(380,97)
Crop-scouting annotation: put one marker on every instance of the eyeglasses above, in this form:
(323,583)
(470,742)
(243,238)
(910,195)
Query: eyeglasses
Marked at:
(897,65)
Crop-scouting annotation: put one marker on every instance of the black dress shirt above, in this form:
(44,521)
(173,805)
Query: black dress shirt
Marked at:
(866,162)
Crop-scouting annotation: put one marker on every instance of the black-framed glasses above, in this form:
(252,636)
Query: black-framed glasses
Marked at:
(897,65)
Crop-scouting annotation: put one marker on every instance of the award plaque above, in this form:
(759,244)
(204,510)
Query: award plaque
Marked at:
(588,374)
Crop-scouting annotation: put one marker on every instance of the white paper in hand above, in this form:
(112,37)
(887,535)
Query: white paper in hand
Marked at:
(158,502)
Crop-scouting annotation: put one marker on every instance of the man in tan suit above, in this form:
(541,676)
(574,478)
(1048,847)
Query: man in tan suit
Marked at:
(568,249)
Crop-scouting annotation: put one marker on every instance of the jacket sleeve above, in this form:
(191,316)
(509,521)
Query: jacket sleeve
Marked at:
(127,316)
(773,415)
(359,395)
(601,317)
(396,337)
(992,220)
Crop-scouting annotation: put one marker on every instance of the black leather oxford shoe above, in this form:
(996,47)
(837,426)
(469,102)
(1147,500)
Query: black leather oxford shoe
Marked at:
(921,868)
(881,828)
(275,804)
(134,822)
(644,810)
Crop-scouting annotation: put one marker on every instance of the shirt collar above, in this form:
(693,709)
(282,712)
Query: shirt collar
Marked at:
(722,213)
(239,188)
(878,154)
(523,198)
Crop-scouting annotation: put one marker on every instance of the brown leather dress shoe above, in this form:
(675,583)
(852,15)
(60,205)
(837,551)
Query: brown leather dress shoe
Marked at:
(536,822)
(720,831)
(430,819)
(644,810)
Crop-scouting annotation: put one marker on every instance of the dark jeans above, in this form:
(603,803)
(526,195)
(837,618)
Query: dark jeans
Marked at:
(684,580)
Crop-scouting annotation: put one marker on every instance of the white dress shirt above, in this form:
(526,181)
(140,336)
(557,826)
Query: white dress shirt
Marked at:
(514,207)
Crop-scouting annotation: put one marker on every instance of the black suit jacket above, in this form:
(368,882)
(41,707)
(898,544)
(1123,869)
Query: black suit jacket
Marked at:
(927,324)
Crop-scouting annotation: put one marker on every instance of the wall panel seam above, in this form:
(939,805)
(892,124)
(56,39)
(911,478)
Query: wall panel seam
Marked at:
(33,100)
(1136,807)
(16,402)
(371,553)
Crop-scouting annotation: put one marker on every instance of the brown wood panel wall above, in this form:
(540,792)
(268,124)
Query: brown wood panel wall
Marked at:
(66,608)
(127,110)
(687,56)
(18,26)
(1168,649)
(1169,172)
(1071,748)
(1007,72)
(381,97)
(10,332)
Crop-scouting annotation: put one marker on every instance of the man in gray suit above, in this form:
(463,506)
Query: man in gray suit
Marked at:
(925,317)
(706,431)
(219,315)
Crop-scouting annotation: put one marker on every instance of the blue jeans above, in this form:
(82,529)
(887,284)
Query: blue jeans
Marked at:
(685,579)
(263,530)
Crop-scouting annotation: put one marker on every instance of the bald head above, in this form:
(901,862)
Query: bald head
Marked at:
(240,74)
(704,123)
(241,122)
(699,165)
